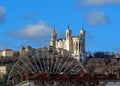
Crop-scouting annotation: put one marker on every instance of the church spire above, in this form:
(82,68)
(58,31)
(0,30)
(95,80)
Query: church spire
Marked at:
(68,26)
(82,39)
(82,26)
(54,31)
(82,31)
(53,37)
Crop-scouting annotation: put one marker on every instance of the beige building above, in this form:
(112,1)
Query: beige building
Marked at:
(25,50)
(117,55)
(3,69)
(74,44)
(7,53)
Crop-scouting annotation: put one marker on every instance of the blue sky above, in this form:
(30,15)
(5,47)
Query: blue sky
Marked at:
(29,22)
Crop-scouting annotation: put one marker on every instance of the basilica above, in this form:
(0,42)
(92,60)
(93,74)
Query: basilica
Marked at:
(73,44)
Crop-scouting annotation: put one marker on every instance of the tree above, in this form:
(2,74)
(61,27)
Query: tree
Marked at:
(16,54)
(3,80)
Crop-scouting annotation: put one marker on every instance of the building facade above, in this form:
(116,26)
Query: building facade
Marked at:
(7,53)
(28,50)
(2,71)
(74,44)
(25,50)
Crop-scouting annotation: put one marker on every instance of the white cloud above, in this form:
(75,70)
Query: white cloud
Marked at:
(2,14)
(96,18)
(98,2)
(40,29)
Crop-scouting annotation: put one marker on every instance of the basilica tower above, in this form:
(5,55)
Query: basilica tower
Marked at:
(82,41)
(53,38)
(68,39)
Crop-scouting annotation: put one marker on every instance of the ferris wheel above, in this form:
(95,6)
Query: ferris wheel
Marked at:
(43,62)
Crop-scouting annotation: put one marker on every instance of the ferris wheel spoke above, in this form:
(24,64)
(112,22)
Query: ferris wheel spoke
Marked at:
(74,61)
(27,66)
(63,65)
(23,68)
(31,64)
(39,61)
(72,68)
(51,63)
(43,62)
(68,65)
(54,68)
(11,71)
(82,67)
(78,70)
(36,64)
(47,62)
(59,64)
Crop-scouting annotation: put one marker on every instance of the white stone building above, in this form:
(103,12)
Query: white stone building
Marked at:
(2,71)
(7,53)
(73,44)
(28,50)
(25,50)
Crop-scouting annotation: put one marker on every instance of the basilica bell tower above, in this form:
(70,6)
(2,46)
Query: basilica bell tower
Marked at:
(53,38)
(82,42)
(68,39)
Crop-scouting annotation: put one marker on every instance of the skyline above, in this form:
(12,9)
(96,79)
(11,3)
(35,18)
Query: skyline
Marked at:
(30,22)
